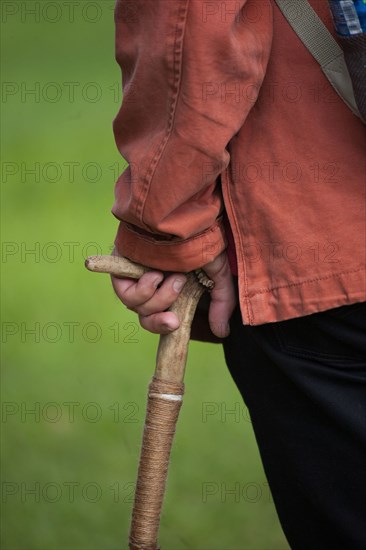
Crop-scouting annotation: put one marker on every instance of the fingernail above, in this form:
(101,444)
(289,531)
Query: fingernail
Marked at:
(157,281)
(178,284)
(221,330)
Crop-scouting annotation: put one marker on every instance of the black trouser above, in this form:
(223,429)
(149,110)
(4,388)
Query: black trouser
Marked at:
(303,383)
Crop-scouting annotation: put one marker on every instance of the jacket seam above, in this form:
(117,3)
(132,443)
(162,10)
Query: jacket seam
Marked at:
(177,74)
(239,256)
(264,290)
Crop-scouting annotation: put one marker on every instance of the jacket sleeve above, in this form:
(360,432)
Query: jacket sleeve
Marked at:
(191,72)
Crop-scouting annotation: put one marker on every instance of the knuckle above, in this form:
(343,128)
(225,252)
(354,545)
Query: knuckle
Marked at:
(143,322)
(143,310)
(147,323)
(167,295)
(144,292)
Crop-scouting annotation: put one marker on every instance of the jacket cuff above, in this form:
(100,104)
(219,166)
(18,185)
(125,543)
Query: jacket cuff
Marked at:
(171,255)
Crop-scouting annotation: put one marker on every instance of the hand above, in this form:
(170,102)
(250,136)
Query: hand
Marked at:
(152,295)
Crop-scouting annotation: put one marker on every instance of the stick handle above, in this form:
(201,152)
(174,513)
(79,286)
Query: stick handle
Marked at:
(163,406)
(115,265)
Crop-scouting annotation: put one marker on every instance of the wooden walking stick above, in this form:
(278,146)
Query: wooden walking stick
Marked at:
(164,400)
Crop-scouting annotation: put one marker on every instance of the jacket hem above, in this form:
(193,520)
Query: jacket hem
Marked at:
(304,298)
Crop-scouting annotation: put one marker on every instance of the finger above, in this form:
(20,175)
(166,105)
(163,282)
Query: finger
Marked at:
(223,302)
(134,293)
(164,296)
(160,323)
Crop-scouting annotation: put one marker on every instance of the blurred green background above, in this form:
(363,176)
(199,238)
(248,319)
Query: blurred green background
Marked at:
(75,365)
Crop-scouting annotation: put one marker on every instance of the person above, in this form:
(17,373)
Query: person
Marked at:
(244,161)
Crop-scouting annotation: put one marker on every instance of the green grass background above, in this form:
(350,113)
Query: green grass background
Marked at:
(108,376)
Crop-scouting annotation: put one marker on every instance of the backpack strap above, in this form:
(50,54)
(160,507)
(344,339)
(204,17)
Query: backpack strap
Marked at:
(322,45)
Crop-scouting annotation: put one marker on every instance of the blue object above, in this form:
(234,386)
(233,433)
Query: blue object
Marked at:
(349,16)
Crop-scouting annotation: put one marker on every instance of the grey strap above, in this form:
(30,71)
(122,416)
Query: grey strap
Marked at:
(323,47)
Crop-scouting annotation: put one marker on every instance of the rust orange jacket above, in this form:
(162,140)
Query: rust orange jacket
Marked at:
(226,115)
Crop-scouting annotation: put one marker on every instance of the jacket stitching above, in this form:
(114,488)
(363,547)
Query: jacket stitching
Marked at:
(177,73)
(264,290)
(239,256)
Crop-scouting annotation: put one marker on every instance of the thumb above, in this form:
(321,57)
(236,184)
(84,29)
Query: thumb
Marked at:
(223,299)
